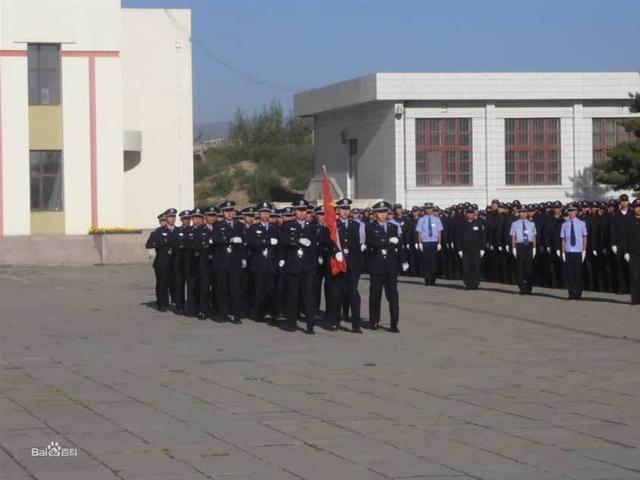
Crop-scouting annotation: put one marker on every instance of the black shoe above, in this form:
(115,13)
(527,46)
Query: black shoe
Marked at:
(394,329)
(201,316)
(310,330)
(374,326)
(162,309)
(179,311)
(356,329)
(236,319)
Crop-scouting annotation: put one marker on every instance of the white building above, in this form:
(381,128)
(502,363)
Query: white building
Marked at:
(95,115)
(455,137)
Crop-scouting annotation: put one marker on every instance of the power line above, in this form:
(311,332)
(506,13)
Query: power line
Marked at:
(250,77)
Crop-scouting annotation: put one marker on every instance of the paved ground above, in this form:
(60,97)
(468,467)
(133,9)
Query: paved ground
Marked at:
(483,385)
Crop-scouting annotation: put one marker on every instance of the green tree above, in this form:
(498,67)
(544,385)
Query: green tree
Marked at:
(621,171)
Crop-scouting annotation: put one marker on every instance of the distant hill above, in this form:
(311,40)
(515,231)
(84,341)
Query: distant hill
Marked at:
(203,131)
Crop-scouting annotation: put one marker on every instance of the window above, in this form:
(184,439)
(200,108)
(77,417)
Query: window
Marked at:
(46,180)
(44,74)
(532,151)
(607,133)
(443,152)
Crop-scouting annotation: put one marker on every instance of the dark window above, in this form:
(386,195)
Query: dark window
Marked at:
(44,74)
(46,180)
(607,133)
(532,151)
(443,152)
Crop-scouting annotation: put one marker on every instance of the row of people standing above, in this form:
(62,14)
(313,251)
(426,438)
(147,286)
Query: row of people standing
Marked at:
(271,264)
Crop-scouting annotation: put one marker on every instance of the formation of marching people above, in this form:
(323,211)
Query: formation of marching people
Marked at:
(272,264)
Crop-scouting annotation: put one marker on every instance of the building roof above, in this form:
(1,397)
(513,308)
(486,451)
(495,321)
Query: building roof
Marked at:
(468,86)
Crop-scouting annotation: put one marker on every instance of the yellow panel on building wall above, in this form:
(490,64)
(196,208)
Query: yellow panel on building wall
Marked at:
(47,223)
(45,127)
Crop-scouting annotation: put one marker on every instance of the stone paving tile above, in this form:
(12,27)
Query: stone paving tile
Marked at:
(485,385)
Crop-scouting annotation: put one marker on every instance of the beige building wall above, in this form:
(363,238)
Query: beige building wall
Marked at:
(157,92)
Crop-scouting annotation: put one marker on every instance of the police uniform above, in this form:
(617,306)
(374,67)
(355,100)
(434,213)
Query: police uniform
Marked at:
(161,240)
(229,261)
(429,228)
(574,237)
(299,239)
(201,248)
(344,286)
(471,241)
(263,243)
(386,260)
(523,234)
(181,249)
(632,252)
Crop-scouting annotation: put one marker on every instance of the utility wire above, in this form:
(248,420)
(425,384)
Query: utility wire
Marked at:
(250,77)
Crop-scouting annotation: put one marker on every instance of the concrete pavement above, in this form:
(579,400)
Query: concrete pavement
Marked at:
(478,385)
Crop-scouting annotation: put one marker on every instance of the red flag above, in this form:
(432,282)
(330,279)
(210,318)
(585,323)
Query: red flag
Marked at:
(331,223)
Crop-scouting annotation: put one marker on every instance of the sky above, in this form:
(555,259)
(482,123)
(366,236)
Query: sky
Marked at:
(285,46)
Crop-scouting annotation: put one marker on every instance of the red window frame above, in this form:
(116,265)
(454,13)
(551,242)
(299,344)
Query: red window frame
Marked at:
(607,134)
(532,151)
(444,155)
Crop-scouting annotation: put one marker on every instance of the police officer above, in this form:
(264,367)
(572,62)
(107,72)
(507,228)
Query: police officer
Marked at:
(573,235)
(386,259)
(344,286)
(161,239)
(471,241)
(170,217)
(429,229)
(617,226)
(201,249)
(262,241)
(181,239)
(299,239)
(229,261)
(323,248)
(632,254)
(523,247)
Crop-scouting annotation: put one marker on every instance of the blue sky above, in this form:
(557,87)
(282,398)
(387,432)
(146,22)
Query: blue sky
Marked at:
(298,44)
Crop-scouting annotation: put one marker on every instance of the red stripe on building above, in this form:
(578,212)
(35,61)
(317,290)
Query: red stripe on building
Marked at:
(1,159)
(13,53)
(93,142)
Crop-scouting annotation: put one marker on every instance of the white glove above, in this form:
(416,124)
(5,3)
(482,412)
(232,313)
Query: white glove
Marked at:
(363,247)
(211,241)
(595,253)
(451,245)
(405,266)
(304,242)
(236,240)
(417,246)
(274,241)
(563,257)
(339,257)
(584,255)
(549,250)
(394,240)
(281,263)
(439,247)
(558,253)
(627,257)
(507,248)
(499,248)
(481,253)
(533,253)
(244,263)
(320,261)
(614,249)
(515,253)
(460,253)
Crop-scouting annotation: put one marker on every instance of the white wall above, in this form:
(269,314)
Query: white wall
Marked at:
(158,102)
(75,143)
(374,128)
(15,138)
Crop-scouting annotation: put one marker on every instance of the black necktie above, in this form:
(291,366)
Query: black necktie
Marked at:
(573,235)
(525,236)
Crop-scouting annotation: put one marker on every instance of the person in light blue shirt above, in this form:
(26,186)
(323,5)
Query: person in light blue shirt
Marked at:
(429,229)
(523,247)
(573,235)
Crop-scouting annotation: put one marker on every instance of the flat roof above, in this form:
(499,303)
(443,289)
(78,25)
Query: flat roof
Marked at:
(468,86)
